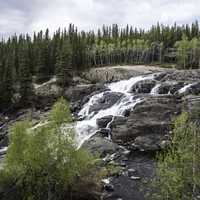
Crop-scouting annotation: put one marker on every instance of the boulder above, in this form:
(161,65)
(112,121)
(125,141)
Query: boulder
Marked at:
(149,122)
(100,145)
(143,86)
(76,93)
(80,94)
(150,142)
(169,87)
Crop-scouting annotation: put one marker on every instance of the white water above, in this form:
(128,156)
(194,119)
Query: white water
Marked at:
(155,90)
(88,127)
(3,150)
(182,90)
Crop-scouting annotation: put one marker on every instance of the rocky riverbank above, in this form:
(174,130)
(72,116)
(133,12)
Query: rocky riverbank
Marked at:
(131,138)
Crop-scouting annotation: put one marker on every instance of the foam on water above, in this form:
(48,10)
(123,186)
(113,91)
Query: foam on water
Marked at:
(182,90)
(88,127)
(155,89)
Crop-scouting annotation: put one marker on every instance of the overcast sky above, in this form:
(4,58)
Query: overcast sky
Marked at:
(21,16)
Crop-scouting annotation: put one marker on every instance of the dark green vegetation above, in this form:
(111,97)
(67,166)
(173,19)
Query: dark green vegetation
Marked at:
(178,168)
(44,163)
(24,59)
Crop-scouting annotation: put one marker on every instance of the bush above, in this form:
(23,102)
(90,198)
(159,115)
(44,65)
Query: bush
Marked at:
(178,169)
(44,163)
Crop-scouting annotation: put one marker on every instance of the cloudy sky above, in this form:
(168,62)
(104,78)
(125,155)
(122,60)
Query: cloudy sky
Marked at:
(21,16)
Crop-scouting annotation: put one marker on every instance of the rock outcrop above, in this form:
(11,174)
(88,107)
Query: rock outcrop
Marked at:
(151,119)
(131,139)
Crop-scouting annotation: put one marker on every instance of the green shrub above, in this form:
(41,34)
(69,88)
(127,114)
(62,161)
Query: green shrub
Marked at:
(44,163)
(178,174)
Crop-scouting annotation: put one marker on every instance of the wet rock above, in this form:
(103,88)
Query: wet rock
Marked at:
(105,132)
(192,89)
(106,101)
(169,87)
(80,94)
(151,120)
(175,87)
(143,86)
(102,122)
(126,113)
(135,177)
(109,187)
(131,172)
(160,76)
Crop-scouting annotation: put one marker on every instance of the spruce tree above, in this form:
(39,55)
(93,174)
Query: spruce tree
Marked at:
(43,71)
(6,85)
(64,65)
(26,87)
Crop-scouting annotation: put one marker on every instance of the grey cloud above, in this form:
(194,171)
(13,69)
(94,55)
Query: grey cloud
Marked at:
(29,15)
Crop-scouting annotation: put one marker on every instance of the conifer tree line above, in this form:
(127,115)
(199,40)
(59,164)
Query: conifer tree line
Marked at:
(25,59)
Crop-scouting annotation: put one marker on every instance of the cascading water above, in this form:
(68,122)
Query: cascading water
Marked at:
(155,89)
(182,90)
(88,127)
(126,101)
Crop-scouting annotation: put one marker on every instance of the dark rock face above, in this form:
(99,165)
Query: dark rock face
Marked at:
(144,86)
(176,87)
(182,75)
(104,132)
(102,122)
(80,91)
(79,95)
(160,76)
(150,119)
(170,87)
(193,89)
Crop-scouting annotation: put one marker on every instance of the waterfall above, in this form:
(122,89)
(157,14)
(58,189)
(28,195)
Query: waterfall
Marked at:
(88,127)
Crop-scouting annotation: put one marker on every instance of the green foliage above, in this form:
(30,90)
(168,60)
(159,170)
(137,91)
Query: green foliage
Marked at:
(69,51)
(64,65)
(178,175)
(25,77)
(183,47)
(44,162)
